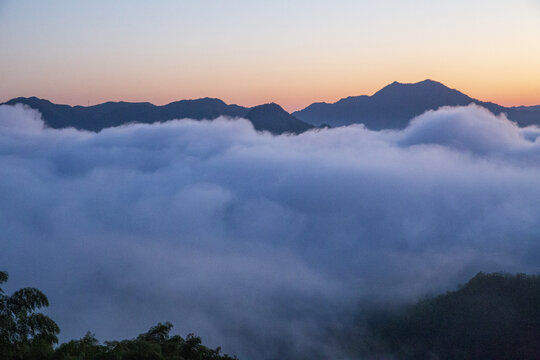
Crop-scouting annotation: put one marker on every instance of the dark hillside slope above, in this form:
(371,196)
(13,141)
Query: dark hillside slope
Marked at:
(493,316)
(273,118)
(396,104)
(109,114)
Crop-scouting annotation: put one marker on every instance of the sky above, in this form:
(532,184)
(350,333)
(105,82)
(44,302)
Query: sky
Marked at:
(269,246)
(252,52)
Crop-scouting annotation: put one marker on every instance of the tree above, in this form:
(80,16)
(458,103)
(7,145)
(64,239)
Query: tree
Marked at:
(24,332)
(493,316)
(158,344)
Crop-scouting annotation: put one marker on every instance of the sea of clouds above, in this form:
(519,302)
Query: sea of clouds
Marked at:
(267,245)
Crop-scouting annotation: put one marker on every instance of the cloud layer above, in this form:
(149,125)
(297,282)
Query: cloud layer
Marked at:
(267,245)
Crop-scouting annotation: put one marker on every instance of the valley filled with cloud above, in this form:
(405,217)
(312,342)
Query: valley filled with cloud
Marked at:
(270,246)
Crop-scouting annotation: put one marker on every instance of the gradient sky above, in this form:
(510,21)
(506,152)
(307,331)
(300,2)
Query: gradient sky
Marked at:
(251,52)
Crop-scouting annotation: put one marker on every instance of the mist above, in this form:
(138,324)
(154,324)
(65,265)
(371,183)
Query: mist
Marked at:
(266,245)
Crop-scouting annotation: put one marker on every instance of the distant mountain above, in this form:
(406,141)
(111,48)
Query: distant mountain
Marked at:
(389,108)
(97,117)
(527,108)
(396,104)
(268,117)
(273,118)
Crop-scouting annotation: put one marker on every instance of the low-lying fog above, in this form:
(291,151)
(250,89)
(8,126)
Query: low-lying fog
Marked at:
(266,245)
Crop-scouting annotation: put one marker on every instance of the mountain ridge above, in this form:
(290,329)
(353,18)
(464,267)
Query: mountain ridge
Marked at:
(274,118)
(392,107)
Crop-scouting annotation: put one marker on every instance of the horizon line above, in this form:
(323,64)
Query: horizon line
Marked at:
(266,101)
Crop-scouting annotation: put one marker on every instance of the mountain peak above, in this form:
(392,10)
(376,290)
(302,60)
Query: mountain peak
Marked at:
(273,107)
(402,87)
(419,90)
(27,100)
(430,82)
(205,100)
(389,108)
(274,118)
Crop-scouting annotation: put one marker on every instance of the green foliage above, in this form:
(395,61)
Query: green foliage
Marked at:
(156,344)
(25,333)
(28,335)
(493,316)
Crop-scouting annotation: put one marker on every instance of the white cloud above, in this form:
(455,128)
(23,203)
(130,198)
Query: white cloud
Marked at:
(260,243)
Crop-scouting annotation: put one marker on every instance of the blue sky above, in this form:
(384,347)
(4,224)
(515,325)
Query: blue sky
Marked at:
(291,52)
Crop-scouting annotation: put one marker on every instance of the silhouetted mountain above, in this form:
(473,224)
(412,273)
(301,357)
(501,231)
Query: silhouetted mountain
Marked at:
(97,117)
(270,117)
(206,108)
(396,104)
(390,108)
(527,108)
(273,118)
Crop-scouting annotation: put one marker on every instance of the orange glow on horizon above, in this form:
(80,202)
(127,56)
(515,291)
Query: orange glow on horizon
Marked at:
(170,51)
(290,101)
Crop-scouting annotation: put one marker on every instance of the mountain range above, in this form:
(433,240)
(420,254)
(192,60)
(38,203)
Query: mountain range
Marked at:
(389,108)
(395,105)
